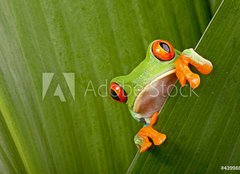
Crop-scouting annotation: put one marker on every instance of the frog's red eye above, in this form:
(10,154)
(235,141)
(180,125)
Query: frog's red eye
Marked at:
(163,50)
(117,92)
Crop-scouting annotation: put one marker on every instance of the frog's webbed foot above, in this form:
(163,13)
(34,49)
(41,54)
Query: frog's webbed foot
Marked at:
(146,133)
(183,71)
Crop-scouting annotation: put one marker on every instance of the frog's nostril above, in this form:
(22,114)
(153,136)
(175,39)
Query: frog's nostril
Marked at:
(117,92)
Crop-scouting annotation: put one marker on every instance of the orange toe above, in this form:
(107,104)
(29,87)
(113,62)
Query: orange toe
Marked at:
(181,78)
(184,73)
(148,132)
(204,67)
(159,139)
(145,145)
(194,80)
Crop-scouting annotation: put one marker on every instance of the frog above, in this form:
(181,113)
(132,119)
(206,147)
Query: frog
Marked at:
(146,88)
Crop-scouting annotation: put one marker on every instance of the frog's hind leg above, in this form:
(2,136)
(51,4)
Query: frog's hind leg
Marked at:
(157,137)
(142,137)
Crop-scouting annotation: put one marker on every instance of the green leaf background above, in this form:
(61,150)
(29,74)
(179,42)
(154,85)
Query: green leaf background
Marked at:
(98,40)
(203,132)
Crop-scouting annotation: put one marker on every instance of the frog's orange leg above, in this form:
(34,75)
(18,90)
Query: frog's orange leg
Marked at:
(184,73)
(148,132)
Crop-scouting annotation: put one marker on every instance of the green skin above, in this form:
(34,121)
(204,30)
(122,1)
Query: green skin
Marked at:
(145,73)
(142,75)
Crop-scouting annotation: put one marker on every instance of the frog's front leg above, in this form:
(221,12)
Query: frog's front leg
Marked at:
(183,71)
(142,137)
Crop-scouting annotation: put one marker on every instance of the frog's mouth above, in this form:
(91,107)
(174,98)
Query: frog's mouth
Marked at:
(154,95)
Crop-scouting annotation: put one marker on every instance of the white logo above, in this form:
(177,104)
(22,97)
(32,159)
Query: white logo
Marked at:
(69,79)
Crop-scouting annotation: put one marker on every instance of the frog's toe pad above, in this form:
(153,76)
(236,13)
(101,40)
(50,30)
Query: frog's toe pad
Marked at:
(194,80)
(145,146)
(159,139)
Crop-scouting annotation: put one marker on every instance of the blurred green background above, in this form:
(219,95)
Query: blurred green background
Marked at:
(97,40)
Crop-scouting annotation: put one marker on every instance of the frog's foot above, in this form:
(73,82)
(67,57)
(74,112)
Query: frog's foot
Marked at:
(142,143)
(142,137)
(183,71)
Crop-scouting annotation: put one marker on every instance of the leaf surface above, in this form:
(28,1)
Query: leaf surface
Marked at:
(97,40)
(203,131)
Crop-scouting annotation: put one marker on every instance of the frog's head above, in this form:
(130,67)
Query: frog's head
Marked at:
(144,89)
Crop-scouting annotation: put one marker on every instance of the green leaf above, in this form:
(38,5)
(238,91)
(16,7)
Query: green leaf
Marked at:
(214,4)
(203,132)
(10,161)
(97,40)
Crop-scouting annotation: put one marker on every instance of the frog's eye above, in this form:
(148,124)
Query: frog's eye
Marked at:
(118,93)
(163,50)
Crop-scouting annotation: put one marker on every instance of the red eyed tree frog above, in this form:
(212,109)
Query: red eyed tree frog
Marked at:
(145,89)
